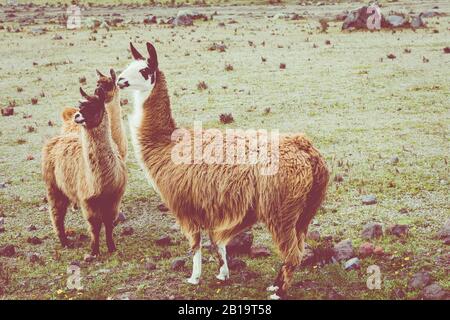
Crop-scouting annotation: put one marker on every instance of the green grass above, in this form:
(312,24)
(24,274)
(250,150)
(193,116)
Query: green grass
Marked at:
(359,112)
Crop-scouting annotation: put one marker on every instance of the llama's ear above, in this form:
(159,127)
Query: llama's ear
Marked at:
(153,57)
(84,94)
(100,94)
(136,55)
(113,75)
(99,73)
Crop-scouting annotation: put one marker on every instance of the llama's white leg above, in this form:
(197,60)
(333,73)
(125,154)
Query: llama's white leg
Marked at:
(196,267)
(224,273)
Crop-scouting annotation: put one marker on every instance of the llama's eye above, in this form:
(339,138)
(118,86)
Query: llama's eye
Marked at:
(145,73)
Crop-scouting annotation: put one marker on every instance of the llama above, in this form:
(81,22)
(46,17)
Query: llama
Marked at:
(112,103)
(85,168)
(223,199)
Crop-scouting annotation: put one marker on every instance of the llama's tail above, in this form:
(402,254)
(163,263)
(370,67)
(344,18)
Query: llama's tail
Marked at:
(318,190)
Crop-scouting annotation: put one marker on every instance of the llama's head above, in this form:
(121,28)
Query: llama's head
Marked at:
(91,110)
(107,84)
(140,75)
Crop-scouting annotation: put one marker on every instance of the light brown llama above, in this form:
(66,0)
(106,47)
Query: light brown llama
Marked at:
(224,199)
(113,108)
(85,168)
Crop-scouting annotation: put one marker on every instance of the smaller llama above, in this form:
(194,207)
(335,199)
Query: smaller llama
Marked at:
(86,168)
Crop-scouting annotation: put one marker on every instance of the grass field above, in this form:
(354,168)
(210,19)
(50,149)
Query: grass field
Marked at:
(360,108)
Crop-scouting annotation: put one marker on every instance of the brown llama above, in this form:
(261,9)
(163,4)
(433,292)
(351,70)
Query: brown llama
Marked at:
(85,168)
(112,103)
(223,199)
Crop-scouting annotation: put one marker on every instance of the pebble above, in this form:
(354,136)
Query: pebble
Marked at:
(163,241)
(419,280)
(399,230)
(366,249)
(127,231)
(372,230)
(178,263)
(369,199)
(352,264)
(343,250)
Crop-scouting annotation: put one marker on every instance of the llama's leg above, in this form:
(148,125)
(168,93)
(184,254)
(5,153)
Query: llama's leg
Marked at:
(109,227)
(58,204)
(224,272)
(95,225)
(196,247)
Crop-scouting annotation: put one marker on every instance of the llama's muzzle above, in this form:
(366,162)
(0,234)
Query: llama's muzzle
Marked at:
(79,118)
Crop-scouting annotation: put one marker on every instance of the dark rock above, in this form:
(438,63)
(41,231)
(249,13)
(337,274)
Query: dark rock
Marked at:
(399,230)
(259,251)
(444,232)
(150,266)
(378,251)
(150,20)
(121,218)
(8,111)
(178,263)
(372,230)
(88,258)
(33,257)
(75,263)
(162,208)
(396,21)
(7,251)
(352,264)
(394,160)
(127,231)
(356,19)
(419,280)
(163,241)
(446,50)
(240,244)
(369,199)
(343,250)
(313,235)
(3,185)
(366,249)
(434,292)
(31,228)
(34,240)
(236,264)
(417,22)
(57,37)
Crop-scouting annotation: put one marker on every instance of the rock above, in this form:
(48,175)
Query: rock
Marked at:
(394,160)
(446,50)
(3,185)
(162,207)
(399,230)
(366,249)
(398,294)
(31,228)
(183,18)
(372,230)
(57,37)
(88,258)
(313,235)
(150,20)
(163,241)
(8,111)
(419,280)
(34,240)
(378,251)
(236,264)
(240,244)
(417,22)
(121,218)
(33,257)
(442,234)
(356,19)
(38,31)
(150,266)
(178,263)
(396,21)
(343,250)
(127,231)
(259,251)
(75,263)
(352,264)
(2,221)
(7,250)
(93,23)
(369,199)
(434,292)
(338,178)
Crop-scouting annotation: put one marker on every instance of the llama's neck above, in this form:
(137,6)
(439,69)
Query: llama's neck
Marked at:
(117,127)
(157,123)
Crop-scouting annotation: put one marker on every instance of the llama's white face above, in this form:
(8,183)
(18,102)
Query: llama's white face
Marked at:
(136,77)
(140,75)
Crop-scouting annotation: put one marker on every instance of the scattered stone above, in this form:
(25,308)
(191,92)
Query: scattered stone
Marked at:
(226,118)
(434,292)
(356,19)
(352,264)
(57,37)
(446,50)
(444,232)
(178,263)
(75,263)
(31,228)
(88,258)
(120,218)
(343,250)
(220,47)
(259,251)
(282,65)
(378,251)
(150,20)
(240,244)
(150,266)
(7,251)
(3,185)
(33,257)
(391,56)
(162,207)
(419,280)
(399,230)
(394,160)
(236,264)
(34,240)
(366,249)
(183,18)
(313,235)
(372,230)
(338,178)
(163,241)
(8,111)
(369,199)
(127,231)
(417,22)
(396,21)
(2,221)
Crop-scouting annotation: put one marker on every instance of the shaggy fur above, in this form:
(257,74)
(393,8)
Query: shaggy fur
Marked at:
(226,199)
(85,168)
(113,108)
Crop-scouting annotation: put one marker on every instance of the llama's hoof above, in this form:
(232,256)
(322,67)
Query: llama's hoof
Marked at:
(223,277)
(274,297)
(272,288)
(193,280)
(112,249)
